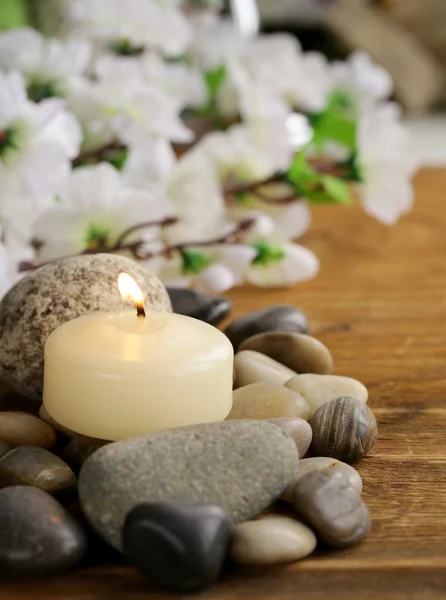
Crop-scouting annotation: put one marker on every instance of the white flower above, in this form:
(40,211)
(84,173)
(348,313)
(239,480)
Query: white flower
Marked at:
(37,142)
(366,81)
(386,163)
(47,64)
(287,265)
(137,23)
(94,208)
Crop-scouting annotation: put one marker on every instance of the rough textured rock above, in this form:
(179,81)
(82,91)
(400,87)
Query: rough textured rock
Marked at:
(54,294)
(252,367)
(275,318)
(271,541)
(37,535)
(267,401)
(22,429)
(178,545)
(299,352)
(211,309)
(242,466)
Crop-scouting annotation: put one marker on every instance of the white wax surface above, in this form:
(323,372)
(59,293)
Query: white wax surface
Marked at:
(115,376)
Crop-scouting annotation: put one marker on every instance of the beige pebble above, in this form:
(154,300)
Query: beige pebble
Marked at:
(319,463)
(271,541)
(252,367)
(22,429)
(45,416)
(320,389)
(297,351)
(267,401)
(298,429)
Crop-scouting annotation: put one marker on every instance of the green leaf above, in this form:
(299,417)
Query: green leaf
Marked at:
(337,122)
(214,79)
(267,254)
(300,171)
(194,262)
(337,189)
(13,13)
(117,157)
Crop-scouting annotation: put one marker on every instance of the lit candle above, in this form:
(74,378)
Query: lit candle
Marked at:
(119,375)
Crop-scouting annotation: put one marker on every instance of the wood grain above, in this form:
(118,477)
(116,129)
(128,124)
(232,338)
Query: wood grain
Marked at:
(380,305)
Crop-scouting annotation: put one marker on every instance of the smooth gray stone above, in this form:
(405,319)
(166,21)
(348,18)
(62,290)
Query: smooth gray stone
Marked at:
(242,466)
(4,449)
(210,309)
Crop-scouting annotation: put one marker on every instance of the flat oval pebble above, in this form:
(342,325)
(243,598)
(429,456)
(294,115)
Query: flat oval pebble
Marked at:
(300,353)
(178,545)
(242,466)
(345,429)
(298,429)
(320,389)
(38,468)
(57,293)
(319,463)
(271,541)
(274,318)
(37,535)
(267,401)
(79,449)
(210,309)
(22,429)
(332,507)
(43,414)
(4,448)
(252,367)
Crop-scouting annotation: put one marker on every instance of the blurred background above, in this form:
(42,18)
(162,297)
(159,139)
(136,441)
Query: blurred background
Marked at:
(407,37)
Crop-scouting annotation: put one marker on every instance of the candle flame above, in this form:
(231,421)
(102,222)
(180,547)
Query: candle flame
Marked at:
(131,292)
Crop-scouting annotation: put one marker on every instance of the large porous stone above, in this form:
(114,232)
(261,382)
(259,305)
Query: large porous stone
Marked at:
(242,466)
(55,294)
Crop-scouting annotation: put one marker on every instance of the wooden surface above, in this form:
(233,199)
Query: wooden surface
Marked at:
(380,305)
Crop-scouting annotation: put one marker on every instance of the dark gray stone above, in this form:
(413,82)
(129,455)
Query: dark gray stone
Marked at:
(242,466)
(36,467)
(4,448)
(211,309)
(332,507)
(180,546)
(275,318)
(55,294)
(79,449)
(37,535)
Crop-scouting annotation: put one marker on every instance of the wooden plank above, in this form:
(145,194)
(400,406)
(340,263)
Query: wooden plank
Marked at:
(380,305)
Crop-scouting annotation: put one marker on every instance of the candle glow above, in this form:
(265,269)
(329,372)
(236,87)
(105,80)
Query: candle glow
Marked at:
(131,292)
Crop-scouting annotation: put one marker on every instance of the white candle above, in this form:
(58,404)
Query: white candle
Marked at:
(114,376)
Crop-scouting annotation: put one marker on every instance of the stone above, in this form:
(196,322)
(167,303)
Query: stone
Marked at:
(4,449)
(267,400)
(320,389)
(298,429)
(252,367)
(38,468)
(22,429)
(57,293)
(37,535)
(344,428)
(79,449)
(242,466)
(271,541)
(332,507)
(300,353)
(44,415)
(320,463)
(274,318)
(180,546)
(210,309)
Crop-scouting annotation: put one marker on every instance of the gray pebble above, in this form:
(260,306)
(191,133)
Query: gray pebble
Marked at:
(38,468)
(210,309)
(252,367)
(55,294)
(275,318)
(298,429)
(22,429)
(242,466)
(271,541)
(345,429)
(332,507)
(267,401)
(320,463)
(37,535)
(79,449)
(4,448)
(300,353)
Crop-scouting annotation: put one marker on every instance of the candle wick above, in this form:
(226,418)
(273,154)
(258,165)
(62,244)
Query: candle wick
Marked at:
(140,311)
